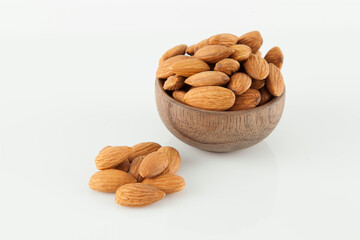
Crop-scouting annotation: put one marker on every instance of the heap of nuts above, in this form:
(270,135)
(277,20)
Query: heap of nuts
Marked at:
(223,72)
(140,175)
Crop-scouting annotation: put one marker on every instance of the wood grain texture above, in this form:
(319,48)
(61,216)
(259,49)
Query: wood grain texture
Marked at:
(218,131)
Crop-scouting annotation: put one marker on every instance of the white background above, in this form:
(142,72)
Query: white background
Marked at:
(77,75)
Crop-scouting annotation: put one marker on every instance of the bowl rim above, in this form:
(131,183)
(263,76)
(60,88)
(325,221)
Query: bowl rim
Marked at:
(272,101)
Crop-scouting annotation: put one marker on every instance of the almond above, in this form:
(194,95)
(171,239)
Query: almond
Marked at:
(265,96)
(134,168)
(109,180)
(241,52)
(177,50)
(225,39)
(137,195)
(252,39)
(168,183)
(190,66)
(257,84)
(213,53)
(165,68)
(200,45)
(124,166)
(179,95)
(258,53)
(174,82)
(249,99)
(174,159)
(275,81)
(256,67)
(191,50)
(208,78)
(227,66)
(110,157)
(210,98)
(153,164)
(275,56)
(239,83)
(143,149)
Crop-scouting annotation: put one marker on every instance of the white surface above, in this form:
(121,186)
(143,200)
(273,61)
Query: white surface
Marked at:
(78,75)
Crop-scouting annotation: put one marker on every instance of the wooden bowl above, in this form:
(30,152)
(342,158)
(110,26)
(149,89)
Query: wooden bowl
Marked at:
(218,131)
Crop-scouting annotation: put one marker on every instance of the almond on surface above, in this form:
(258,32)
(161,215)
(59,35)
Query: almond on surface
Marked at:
(109,180)
(275,82)
(153,164)
(179,95)
(189,67)
(207,78)
(191,49)
(110,157)
(241,52)
(265,95)
(239,83)
(227,66)
(168,183)
(138,195)
(174,82)
(134,168)
(213,53)
(253,39)
(165,68)
(249,99)
(256,67)
(177,50)
(143,149)
(275,56)
(174,159)
(225,39)
(210,98)
(200,45)
(124,166)
(257,84)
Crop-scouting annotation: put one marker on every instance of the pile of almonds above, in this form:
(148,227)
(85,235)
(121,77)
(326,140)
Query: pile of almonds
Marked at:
(140,175)
(223,72)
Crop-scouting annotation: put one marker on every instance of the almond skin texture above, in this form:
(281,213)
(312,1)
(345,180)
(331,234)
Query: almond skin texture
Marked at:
(239,83)
(177,50)
(138,195)
(225,39)
(258,53)
(189,67)
(174,82)
(257,84)
(253,39)
(153,164)
(134,168)
(143,149)
(200,45)
(256,67)
(213,53)
(210,98)
(110,157)
(265,96)
(249,99)
(165,68)
(241,52)
(191,49)
(179,95)
(275,82)
(174,159)
(168,183)
(208,78)
(227,66)
(109,180)
(124,166)
(275,56)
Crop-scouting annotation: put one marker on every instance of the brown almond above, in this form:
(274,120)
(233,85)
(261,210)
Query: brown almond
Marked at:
(134,168)
(109,180)
(153,164)
(110,157)
(256,67)
(275,56)
(143,149)
(190,66)
(239,83)
(265,96)
(191,50)
(174,159)
(177,50)
(138,195)
(225,39)
(200,45)
(257,84)
(124,166)
(168,183)
(258,53)
(275,82)
(241,52)
(179,95)
(252,39)
(213,53)
(210,98)
(249,99)
(207,78)
(227,66)
(165,68)
(174,82)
